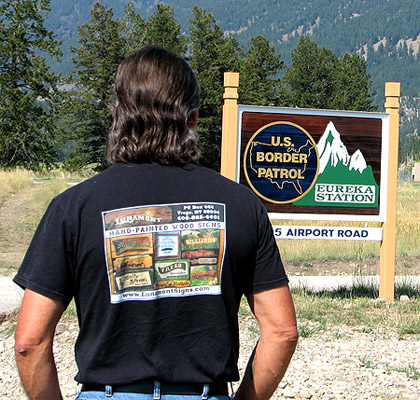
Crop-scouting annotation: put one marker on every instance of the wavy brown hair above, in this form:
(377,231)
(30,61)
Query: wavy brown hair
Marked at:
(156,95)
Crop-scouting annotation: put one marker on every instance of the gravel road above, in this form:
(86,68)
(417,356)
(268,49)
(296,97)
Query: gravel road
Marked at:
(10,295)
(334,364)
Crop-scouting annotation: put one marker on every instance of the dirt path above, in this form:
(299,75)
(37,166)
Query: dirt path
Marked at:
(15,229)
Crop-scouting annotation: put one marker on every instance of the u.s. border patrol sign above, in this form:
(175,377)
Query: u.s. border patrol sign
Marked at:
(281,162)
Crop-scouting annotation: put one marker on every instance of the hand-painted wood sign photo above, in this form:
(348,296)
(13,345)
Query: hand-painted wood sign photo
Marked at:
(302,161)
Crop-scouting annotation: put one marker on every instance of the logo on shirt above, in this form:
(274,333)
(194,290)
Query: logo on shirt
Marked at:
(161,251)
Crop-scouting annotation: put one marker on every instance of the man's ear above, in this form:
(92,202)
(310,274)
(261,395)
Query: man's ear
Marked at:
(192,120)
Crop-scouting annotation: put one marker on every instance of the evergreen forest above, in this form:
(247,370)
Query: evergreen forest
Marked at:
(58,60)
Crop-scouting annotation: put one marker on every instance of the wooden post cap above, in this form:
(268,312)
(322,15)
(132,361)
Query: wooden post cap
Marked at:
(231,79)
(392,89)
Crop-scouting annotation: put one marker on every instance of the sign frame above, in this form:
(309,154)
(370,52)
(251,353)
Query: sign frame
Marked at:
(384,117)
(230,155)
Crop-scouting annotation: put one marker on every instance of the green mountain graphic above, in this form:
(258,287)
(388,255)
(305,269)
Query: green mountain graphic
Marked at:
(343,180)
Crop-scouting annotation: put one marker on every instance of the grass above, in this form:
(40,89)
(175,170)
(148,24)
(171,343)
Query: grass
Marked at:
(71,309)
(408,234)
(406,287)
(24,197)
(18,180)
(14,181)
(307,329)
(408,219)
(356,307)
(367,362)
(411,371)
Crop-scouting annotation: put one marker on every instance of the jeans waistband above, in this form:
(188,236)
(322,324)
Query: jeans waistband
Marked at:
(147,387)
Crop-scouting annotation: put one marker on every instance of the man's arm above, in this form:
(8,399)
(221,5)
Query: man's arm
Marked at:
(275,313)
(34,335)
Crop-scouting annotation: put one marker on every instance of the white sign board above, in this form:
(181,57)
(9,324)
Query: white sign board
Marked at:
(326,233)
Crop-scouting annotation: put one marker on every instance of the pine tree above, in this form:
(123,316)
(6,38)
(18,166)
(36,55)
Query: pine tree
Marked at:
(27,85)
(311,77)
(259,72)
(162,29)
(352,85)
(319,79)
(96,61)
(133,29)
(212,55)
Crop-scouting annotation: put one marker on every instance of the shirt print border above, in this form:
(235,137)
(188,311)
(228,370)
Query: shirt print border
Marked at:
(170,250)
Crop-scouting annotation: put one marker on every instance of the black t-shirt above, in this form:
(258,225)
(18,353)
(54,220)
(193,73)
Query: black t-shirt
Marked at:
(157,259)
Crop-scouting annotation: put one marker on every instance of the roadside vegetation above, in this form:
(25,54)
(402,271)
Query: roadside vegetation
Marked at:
(357,308)
(408,234)
(24,197)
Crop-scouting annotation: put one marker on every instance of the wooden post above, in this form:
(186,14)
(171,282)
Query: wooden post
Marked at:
(387,260)
(230,126)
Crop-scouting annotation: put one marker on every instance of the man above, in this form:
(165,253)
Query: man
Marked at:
(157,252)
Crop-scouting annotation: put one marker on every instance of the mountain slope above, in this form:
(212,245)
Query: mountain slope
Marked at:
(385,32)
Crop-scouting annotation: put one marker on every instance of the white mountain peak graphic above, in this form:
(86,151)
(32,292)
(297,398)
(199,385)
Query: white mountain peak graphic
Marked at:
(357,161)
(332,149)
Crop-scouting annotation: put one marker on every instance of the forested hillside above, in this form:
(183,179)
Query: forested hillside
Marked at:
(320,54)
(385,32)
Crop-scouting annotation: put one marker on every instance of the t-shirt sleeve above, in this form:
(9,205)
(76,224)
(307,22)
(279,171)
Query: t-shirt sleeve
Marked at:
(46,267)
(269,270)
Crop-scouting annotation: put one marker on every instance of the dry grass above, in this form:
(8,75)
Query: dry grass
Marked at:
(26,195)
(14,181)
(24,198)
(408,234)
(408,219)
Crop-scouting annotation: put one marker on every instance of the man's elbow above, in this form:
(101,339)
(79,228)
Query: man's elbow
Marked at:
(26,345)
(286,336)
(290,335)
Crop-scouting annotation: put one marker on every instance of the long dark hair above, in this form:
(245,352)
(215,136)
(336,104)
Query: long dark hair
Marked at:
(156,95)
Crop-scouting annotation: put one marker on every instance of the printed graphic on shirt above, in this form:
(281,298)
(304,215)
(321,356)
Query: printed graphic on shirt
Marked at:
(171,250)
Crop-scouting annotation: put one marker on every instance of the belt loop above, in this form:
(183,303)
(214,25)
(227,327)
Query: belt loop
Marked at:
(108,391)
(206,390)
(156,390)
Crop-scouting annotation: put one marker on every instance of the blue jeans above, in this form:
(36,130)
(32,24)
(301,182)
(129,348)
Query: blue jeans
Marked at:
(141,396)
(109,395)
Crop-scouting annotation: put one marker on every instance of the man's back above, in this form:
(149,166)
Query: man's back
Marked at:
(161,257)
(157,253)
